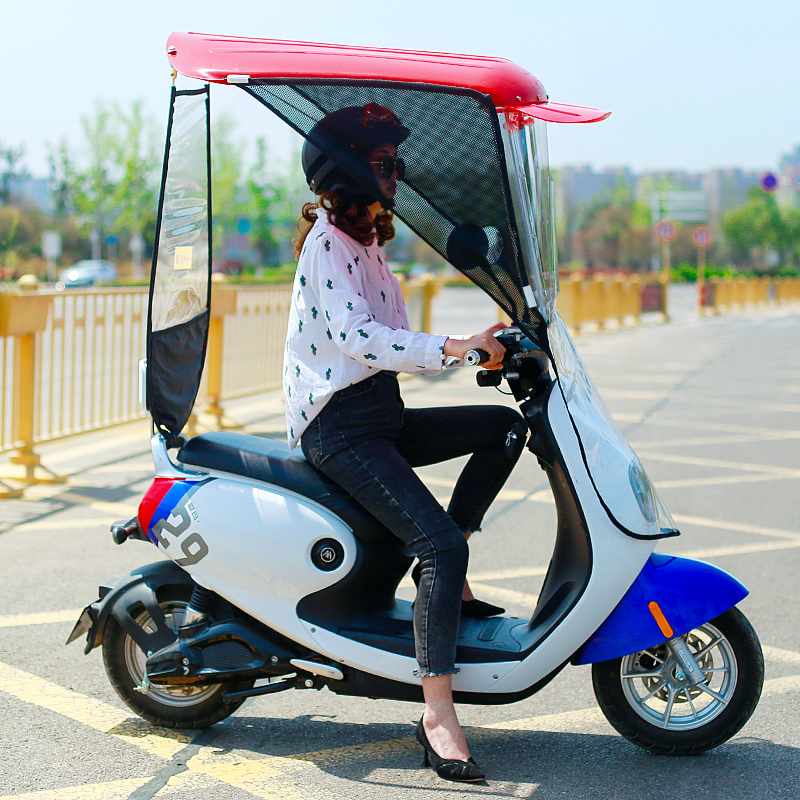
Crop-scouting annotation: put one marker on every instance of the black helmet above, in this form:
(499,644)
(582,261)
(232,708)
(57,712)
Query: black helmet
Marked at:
(334,152)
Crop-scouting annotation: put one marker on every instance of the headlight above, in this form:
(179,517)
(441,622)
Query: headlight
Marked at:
(642,490)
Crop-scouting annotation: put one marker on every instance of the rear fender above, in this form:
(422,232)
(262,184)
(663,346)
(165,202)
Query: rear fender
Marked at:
(125,596)
(670,597)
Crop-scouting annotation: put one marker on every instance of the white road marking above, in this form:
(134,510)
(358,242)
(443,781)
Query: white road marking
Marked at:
(117,510)
(55,524)
(735,526)
(723,427)
(449,483)
(780,656)
(68,452)
(504,595)
(700,441)
(716,462)
(721,480)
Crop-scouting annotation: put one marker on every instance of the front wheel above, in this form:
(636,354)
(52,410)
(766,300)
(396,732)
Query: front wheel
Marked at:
(647,698)
(168,706)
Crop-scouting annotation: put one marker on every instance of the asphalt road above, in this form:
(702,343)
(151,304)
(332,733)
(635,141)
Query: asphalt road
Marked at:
(711,406)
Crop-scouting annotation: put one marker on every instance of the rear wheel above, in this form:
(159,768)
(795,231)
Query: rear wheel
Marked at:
(168,706)
(647,698)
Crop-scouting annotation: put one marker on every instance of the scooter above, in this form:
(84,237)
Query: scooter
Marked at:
(276,579)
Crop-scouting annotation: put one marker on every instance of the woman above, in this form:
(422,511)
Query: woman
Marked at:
(348,337)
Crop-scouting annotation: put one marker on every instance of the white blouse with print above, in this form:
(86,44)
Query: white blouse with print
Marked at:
(347,321)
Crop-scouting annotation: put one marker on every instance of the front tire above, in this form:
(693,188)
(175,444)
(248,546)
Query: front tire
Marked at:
(645,698)
(167,706)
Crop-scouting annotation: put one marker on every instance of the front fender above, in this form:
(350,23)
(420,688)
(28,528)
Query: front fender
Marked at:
(124,597)
(688,593)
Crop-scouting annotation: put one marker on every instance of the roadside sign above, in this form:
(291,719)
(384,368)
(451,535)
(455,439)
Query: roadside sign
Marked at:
(690,206)
(666,231)
(51,244)
(769,182)
(701,236)
(51,250)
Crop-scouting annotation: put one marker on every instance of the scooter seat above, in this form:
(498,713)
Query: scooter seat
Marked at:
(272,462)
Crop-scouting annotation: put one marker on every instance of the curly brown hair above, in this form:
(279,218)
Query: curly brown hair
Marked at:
(349,217)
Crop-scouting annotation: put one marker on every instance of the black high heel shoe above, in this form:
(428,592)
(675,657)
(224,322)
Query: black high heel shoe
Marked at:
(477,609)
(451,769)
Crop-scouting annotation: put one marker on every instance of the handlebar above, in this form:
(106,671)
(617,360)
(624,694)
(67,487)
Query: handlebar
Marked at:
(474,357)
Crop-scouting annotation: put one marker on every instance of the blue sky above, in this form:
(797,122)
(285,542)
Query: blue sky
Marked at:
(691,85)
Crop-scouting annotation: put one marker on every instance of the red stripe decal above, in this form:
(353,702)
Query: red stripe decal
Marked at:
(153,496)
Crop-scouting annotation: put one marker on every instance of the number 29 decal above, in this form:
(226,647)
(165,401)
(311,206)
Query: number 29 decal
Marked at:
(170,521)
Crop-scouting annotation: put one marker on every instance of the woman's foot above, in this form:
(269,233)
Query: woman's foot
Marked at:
(470,607)
(444,734)
(451,768)
(478,609)
(440,734)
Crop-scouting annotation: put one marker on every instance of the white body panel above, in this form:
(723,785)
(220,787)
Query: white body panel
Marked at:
(260,537)
(616,561)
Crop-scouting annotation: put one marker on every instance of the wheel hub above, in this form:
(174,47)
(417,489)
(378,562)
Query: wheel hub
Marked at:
(658,689)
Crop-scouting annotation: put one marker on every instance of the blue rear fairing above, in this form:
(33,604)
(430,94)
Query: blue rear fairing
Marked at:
(689,593)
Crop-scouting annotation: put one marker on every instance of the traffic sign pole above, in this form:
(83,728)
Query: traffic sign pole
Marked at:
(665,233)
(702,238)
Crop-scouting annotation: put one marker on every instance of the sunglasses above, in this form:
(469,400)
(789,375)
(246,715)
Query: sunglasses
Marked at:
(389,166)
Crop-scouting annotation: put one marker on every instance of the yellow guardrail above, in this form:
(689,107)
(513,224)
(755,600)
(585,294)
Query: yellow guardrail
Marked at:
(602,299)
(719,295)
(69,361)
(68,366)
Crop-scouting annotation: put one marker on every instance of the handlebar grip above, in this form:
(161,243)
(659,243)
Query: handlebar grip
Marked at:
(473,357)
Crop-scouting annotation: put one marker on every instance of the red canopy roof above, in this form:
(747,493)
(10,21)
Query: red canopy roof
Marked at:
(233,59)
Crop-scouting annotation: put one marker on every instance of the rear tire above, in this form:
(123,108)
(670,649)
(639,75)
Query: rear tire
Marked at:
(643,698)
(169,707)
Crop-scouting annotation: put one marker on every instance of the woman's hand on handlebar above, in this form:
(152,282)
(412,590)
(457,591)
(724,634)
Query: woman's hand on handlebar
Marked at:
(481,341)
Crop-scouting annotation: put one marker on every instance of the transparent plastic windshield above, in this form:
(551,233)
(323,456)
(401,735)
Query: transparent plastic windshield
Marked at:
(616,471)
(532,193)
(180,288)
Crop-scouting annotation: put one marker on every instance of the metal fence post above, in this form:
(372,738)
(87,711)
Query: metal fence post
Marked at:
(22,316)
(223,302)
(430,290)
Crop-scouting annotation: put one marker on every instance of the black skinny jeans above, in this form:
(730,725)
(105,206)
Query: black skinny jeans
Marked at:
(368,442)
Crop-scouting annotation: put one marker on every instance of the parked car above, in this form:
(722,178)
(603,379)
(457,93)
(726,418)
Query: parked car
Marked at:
(87,273)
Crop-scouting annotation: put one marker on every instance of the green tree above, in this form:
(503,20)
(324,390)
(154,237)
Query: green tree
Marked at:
(759,227)
(134,197)
(615,234)
(275,198)
(229,205)
(63,179)
(95,183)
(263,195)
(108,184)
(11,169)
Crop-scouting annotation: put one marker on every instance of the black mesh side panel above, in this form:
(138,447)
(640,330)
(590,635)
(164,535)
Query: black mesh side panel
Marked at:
(455,191)
(172,374)
(180,279)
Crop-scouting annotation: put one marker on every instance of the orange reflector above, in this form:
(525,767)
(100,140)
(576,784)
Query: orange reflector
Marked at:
(661,620)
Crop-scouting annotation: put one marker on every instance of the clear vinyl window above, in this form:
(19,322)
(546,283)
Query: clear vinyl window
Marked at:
(532,192)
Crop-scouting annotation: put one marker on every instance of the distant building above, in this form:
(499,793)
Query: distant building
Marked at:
(789,179)
(32,191)
(581,186)
(727,188)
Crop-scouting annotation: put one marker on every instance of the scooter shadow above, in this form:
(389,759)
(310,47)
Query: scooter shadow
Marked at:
(537,764)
